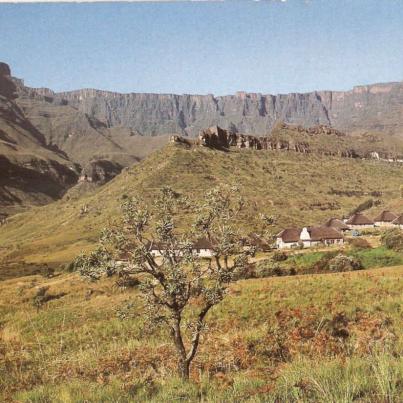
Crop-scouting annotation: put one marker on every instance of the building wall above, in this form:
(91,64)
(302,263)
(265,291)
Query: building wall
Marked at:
(197,252)
(280,244)
(383,224)
(204,252)
(361,226)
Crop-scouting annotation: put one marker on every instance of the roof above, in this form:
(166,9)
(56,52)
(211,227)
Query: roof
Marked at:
(155,245)
(317,233)
(336,224)
(323,232)
(359,219)
(385,216)
(290,234)
(203,243)
(398,220)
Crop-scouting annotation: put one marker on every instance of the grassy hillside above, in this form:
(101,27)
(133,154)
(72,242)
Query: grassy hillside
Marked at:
(297,188)
(81,137)
(322,338)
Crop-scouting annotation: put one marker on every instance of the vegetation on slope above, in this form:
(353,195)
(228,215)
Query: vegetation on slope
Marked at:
(304,338)
(298,189)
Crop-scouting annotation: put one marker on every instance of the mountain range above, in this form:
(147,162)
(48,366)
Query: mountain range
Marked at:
(49,140)
(377,107)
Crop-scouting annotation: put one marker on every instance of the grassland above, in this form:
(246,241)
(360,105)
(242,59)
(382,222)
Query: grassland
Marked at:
(322,338)
(369,258)
(297,188)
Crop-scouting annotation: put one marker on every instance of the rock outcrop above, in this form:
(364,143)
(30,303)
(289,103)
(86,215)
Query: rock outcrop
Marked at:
(320,139)
(99,171)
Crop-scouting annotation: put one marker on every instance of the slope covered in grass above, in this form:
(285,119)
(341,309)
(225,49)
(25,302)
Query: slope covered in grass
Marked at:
(332,337)
(297,188)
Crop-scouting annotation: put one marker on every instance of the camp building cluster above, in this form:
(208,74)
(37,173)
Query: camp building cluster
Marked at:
(332,232)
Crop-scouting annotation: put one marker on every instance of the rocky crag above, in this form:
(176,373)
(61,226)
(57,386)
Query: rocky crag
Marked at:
(377,107)
(319,139)
(31,171)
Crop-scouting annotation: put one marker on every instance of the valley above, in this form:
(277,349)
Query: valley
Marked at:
(201,202)
(271,182)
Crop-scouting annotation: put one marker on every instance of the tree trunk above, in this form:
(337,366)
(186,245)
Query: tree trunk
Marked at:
(183,363)
(184,369)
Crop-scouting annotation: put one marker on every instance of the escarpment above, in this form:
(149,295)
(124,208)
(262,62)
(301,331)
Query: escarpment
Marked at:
(321,139)
(376,107)
(32,172)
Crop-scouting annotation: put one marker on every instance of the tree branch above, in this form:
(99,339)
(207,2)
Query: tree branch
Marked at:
(196,336)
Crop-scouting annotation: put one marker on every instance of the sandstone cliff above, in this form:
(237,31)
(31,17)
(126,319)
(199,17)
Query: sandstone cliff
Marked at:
(376,107)
(320,140)
(32,172)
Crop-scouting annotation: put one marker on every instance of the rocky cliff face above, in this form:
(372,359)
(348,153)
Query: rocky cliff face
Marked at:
(321,139)
(31,171)
(82,136)
(376,107)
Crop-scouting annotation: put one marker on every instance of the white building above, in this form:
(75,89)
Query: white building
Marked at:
(398,222)
(359,221)
(203,248)
(385,219)
(308,237)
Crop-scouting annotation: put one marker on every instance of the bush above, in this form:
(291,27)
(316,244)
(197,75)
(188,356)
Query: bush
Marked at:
(359,243)
(268,268)
(68,267)
(342,263)
(48,272)
(42,296)
(127,282)
(371,231)
(393,239)
(279,256)
(322,264)
(365,206)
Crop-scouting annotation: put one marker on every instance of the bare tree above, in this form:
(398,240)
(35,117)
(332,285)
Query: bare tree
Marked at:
(179,288)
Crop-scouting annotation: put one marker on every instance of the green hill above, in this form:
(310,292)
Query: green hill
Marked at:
(297,188)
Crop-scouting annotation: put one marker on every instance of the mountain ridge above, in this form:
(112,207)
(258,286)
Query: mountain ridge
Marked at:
(376,107)
(297,188)
(32,171)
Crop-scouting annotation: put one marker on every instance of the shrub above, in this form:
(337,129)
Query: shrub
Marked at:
(371,231)
(365,206)
(393,239)
(268,268)
(48,272)
(279,256)
(322,264)
(127,282)
(359,243)
(42,296)
(68,267)
(344,263)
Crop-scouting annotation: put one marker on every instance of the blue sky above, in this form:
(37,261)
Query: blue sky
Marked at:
(203,47)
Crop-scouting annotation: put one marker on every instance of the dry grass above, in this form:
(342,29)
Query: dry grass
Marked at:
(333,337)
(296,188)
